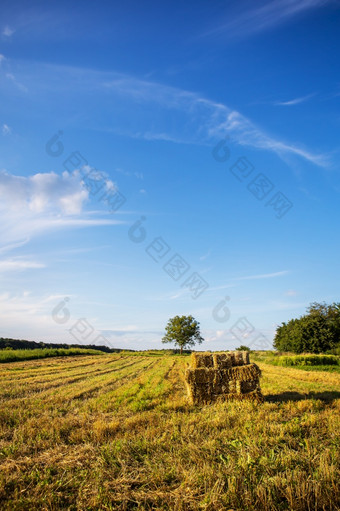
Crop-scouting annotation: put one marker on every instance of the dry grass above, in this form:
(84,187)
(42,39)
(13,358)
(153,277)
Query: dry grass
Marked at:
(116,432)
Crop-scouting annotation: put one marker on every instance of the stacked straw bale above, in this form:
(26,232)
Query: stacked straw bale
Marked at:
(222,376)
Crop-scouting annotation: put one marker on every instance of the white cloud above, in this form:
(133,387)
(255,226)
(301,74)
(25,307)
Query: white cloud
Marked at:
(12,246)
(6,130)
(24,316)
(201,120)
(264,17)
(291,292)
(295,101)
(42,192)
(2,58)
(18,265)
(153,111)
(205,256)
(264,275)
(137,175)
(42,202)
(247,134)
(7,31)
(20,86)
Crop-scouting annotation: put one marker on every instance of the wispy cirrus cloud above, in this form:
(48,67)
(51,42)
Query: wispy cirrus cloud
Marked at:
(6,130)
(19,265)
(295,101)
(246,133)
(291,292)
(264,275)
(146,110)
(203,120)
(264,16)
(7,31)
(20,86)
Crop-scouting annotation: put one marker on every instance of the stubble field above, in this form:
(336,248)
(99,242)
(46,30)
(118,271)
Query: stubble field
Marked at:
(115,432)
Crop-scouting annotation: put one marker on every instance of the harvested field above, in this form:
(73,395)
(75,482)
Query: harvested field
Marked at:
(116,432)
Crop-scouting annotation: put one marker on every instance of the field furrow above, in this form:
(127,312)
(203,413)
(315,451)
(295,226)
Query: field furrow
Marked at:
(108,432)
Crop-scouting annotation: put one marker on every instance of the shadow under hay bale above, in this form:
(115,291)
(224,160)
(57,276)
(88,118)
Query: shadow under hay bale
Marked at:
(221,377)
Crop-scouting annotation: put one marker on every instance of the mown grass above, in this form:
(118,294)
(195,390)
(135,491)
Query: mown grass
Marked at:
(116,432)
(20,355)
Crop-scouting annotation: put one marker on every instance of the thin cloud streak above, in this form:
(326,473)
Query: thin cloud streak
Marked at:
(175,115)
(19,265)
(264,275)
(265,17)
(295,101)
(247,134)
(7,31)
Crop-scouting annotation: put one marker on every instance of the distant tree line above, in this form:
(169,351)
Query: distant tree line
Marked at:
(315,332)
(20,344)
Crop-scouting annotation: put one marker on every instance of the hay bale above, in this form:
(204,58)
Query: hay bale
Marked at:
(232,357)
(249,386)
(245,355)
(200,375)
(201,360)
(222,360)
(239,358)
(243,373)
(200,393)
(234,387)
(222,376)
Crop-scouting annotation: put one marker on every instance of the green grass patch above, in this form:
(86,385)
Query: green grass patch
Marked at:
(328,368)
(306,360)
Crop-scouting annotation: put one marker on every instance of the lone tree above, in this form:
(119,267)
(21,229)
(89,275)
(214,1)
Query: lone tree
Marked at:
(183,331)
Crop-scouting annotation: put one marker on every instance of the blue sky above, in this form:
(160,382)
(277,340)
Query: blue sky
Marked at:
(161,158)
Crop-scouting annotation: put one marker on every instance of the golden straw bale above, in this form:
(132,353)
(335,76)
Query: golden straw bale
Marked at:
(249,386)
(222,360)
(232,387)
(222,377)
(238,387)
(201,360)
(232,357)
(200,394)
(200,375)
(243,373)
(239,358)
(245,355)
